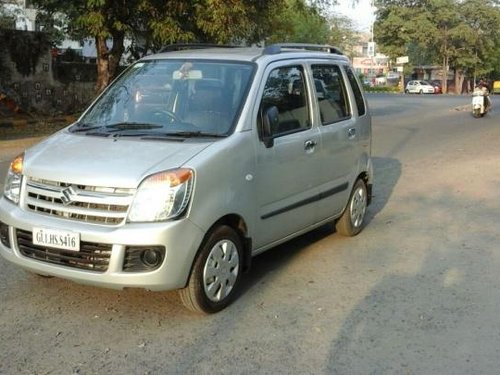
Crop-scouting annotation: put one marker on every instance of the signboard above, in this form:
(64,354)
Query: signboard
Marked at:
(399,68)
(402,60)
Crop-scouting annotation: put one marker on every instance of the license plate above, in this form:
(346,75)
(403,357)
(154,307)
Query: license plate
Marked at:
(55,238)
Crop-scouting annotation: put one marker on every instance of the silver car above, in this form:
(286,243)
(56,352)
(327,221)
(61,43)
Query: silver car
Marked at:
(188,165)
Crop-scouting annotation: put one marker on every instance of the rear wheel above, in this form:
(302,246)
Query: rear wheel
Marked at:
(216,273)
(351,221)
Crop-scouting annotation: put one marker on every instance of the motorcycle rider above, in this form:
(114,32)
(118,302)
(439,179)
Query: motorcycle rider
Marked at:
(483,86)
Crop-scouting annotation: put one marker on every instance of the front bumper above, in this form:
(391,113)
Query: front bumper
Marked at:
(181,239)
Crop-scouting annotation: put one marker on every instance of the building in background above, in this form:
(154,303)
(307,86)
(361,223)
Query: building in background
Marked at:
(25,18)
(374,67)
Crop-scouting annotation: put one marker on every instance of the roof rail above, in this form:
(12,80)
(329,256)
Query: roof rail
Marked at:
(183,46)
(278,48)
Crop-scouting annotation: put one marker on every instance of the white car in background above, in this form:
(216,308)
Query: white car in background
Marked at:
(419,87)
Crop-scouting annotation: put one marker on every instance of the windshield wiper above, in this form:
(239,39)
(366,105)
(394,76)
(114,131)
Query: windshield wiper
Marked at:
(131,126)
(82,127)
(187,134)
(104,131)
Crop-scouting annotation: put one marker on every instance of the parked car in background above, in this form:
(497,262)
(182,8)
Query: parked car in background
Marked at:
(380,80)
(369,82)
(437,87)
(419,87)
(496,87)
(393,75)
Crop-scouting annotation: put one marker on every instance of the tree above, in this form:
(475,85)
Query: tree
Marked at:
(158,22)
(456,34)
(7,18)
(299,22)
(343,35)
(480,30)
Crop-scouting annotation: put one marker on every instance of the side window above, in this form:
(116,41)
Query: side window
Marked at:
(331,93)
(357,92)
(286,90)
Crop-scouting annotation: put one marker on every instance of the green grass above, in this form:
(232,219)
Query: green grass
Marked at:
(382,89)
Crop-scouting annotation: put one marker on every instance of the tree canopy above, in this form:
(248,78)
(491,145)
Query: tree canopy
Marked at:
(150,24)
(298,22)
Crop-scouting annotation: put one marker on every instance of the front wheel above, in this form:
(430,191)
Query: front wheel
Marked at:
(216,273)
(351,221)
(476,112)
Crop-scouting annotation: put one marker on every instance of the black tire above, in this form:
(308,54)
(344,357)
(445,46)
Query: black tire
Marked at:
(209,277)
(351,221)
(407,92)
(420,92)
(476,113)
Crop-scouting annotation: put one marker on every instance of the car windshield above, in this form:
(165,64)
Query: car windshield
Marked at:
(169,97)
(425,83)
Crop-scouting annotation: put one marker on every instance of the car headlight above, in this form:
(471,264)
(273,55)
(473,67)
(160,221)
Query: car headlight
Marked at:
(162,196)
(12,189)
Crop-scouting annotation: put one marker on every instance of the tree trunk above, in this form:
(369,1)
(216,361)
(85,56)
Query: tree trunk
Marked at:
(102,64)
(116,53)
(459,81)
(444,51)
(444,82)
(108,61)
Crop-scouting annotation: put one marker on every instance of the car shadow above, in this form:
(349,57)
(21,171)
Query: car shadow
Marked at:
(387,172)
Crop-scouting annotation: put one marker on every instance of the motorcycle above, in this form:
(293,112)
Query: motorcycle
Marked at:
(480,102)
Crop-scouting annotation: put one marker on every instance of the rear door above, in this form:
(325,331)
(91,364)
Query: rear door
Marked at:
(339,129)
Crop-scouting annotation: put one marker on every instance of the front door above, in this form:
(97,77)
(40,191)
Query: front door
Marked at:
(288,172)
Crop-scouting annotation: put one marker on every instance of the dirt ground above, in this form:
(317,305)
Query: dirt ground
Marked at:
(417,292)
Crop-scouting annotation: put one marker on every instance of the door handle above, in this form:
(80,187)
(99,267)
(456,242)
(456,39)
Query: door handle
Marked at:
(309,145)
(351,133)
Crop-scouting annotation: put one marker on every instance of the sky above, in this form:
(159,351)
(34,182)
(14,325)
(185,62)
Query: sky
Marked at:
(361,14)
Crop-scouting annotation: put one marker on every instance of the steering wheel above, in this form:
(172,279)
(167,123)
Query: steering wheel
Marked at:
(173,117)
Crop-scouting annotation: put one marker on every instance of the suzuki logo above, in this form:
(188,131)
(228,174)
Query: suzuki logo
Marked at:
(68,195)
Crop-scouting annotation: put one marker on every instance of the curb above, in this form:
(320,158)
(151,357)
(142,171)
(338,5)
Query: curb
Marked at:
(15,127)
(20,123)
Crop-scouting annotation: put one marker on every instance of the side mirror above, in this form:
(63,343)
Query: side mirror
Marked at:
(270,122)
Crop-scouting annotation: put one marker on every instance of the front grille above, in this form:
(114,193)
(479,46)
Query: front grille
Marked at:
(90,204)
(92,256)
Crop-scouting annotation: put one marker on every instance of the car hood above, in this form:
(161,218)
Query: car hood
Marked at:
(112,162)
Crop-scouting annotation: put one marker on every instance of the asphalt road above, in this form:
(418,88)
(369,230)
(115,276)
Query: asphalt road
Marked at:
(417,292)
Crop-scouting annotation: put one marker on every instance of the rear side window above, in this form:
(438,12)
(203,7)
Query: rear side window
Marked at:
(357,92)
(285,90)
(331,93)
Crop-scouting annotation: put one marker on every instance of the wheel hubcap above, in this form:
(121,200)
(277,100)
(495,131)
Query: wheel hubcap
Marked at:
(358,207)
(221,270)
